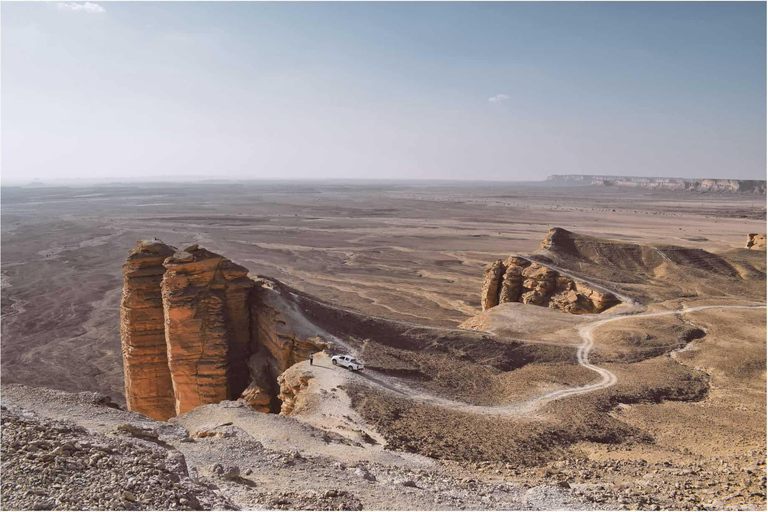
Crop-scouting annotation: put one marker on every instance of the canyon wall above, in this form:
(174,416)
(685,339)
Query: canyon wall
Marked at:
(520,280)
(196,330)
(695,185)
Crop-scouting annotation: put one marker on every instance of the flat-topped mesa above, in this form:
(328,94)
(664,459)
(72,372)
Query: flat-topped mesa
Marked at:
(205,299)
(148,385)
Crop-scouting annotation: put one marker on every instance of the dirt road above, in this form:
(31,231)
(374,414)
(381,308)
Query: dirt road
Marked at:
(607,378)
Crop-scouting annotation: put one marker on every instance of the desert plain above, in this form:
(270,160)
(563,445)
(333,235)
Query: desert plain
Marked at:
(458,407)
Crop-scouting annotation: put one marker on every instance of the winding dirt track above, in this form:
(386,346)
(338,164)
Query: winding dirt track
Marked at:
(607,378)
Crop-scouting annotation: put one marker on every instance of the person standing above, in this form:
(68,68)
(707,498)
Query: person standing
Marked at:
(311,359)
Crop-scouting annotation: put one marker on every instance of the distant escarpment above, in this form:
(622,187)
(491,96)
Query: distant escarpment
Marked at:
(583,274)
(196,329)
(695,185)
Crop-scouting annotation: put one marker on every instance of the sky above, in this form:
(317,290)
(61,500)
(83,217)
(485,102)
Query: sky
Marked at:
(468,91)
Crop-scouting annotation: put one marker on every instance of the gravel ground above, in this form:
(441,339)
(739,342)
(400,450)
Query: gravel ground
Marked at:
(59,465)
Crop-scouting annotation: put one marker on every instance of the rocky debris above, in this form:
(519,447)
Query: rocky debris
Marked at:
(736,482)
(197,330)
(137,431)
(58,465)
(257,398)
(365,474)
(292,383)
(520,280)
(225,471)
(405,482)
(148,386)
(332,499)
(205,299)
(755,241)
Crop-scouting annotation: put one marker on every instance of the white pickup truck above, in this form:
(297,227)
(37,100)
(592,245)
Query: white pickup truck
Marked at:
(348,362)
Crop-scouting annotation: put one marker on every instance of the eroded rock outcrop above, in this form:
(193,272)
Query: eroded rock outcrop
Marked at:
(205,300)
(755,241)
(292,383)
(520,280)
(284,338)
(489,297)
(148,385)
(196,330)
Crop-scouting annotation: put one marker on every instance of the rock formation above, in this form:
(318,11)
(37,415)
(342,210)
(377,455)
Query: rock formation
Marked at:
(519,280)
(292,383)
(148,385)
(757,187)
(489,296)
(196,330)
(207,331)
(755,241)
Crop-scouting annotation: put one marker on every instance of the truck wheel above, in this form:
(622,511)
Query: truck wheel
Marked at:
(334,362)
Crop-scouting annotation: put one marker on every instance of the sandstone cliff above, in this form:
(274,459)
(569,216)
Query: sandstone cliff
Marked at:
(755,241)
(519,280)
(283,338)
(148,385)
(196,330)
(207,334)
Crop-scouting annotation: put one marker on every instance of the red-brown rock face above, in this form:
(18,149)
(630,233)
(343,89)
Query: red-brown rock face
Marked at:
(196,330)
(148,386)
(205,300)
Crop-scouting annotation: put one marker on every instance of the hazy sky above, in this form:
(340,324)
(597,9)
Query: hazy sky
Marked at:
(498,91)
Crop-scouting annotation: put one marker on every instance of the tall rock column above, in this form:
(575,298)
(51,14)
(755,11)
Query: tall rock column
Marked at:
(206,327)
(489,296)
(148,387)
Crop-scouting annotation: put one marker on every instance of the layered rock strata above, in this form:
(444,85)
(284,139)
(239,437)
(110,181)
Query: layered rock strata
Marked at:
(205,301)
(196,330)
(148,384)
(284,337)
(519,280)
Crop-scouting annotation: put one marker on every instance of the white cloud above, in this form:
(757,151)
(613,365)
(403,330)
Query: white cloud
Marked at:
(498,98)
(85,7)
